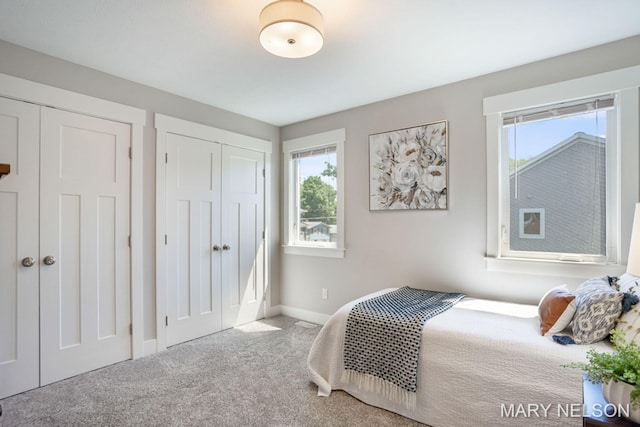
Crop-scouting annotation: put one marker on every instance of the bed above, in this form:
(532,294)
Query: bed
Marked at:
(481,363)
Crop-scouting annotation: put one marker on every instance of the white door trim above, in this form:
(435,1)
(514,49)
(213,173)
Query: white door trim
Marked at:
(25,90)
(196,130)
(167,124)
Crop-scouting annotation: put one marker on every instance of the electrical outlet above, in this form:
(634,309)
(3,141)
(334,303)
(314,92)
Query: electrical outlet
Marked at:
(325,293)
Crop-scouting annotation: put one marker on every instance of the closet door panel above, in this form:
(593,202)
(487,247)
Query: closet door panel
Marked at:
(242,228)
(193,229)
(85,282)
(70,271)
(107,214)
(19,335)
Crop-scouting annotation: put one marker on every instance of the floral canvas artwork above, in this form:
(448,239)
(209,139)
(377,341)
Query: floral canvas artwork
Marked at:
(408,168)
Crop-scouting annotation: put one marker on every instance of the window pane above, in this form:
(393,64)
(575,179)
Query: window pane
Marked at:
(316,175)
(557,184)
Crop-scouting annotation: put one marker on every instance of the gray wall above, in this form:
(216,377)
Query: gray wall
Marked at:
(30,65)
(435,250)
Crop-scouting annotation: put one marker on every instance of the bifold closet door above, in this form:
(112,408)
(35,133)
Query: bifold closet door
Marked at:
(84,244)
(19,310)
(215,263)
(243,264)
(64,252)
(194,247)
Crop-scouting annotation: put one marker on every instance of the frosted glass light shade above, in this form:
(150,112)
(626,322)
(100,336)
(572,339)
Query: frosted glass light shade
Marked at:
(633,264)
(291,29)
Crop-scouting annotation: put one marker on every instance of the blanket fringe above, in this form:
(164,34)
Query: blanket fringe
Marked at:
(379,386)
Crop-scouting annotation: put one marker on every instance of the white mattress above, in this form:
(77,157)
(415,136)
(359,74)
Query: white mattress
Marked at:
(482,363)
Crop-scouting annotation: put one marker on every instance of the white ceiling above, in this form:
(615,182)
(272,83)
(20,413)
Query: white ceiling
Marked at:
(208,50)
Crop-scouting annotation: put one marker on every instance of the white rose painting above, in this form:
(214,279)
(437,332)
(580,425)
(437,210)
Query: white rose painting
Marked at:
(408,168)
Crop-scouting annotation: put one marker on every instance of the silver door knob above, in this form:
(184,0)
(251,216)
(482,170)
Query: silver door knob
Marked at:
(226,247)
(49,260)
(28,261)
(216,248)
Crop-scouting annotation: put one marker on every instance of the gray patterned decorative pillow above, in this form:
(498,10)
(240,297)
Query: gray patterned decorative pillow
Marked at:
(598,306)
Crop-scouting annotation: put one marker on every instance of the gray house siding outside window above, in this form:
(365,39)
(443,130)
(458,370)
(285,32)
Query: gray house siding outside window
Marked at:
(561,197)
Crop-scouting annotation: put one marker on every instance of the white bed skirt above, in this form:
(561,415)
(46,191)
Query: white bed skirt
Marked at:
(482,363)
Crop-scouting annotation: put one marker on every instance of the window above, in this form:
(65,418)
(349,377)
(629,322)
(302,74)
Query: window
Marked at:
(558,180)
(562,174)
(314,201)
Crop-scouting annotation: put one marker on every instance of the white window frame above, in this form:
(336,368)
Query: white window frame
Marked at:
(292,246)
(624,84)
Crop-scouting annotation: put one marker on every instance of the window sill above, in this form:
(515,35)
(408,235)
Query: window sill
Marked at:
(580,270)
(314,251)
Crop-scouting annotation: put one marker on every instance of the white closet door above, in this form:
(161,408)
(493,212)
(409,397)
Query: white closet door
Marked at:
(242,232)
(193,229)
(84,220)
(19,335)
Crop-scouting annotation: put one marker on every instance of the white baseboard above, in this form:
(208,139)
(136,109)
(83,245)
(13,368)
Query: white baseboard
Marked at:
(298,313)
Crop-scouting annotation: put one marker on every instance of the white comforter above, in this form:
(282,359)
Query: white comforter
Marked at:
(482,363)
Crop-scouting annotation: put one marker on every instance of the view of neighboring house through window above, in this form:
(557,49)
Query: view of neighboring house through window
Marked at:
(315,174)
(314,196)
(563,175)
(558,180)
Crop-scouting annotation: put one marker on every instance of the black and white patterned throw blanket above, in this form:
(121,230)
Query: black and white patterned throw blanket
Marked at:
(382,340)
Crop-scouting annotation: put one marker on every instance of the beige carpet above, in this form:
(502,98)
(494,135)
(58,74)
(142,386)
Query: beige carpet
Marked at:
(253,375)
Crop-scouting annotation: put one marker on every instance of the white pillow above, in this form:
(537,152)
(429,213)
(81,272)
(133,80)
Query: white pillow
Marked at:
(628,283)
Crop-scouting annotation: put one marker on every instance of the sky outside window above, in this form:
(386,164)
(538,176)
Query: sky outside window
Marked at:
(534,138)
(315,165)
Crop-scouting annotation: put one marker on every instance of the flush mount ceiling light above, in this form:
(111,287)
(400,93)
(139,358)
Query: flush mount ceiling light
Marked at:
(291,29)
